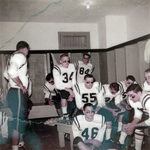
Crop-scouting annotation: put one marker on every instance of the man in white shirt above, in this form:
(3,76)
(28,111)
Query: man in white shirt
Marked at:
(83,67)
(17,75)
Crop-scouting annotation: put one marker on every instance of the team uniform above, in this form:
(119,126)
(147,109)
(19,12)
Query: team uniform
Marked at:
(64,78)
(82,70)
(84,95)
(51,92)
(111,100)
(122,89)
(84,130)
(141,111)
(146,87)
(17,100)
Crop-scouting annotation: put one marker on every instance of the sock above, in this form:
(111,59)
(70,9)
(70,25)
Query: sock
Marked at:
(122,137)
(14,147)
(139,135)
(119,126)
(108,133)
(64,110)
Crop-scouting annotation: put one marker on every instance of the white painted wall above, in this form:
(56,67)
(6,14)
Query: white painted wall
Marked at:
(138,22)
(42,36)
(116,30)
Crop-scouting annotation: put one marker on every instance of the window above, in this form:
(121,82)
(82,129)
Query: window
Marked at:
(74,40)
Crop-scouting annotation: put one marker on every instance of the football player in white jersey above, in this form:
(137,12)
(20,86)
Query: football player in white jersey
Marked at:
(140,101)
(88,129)
(88,92)
(112,97)
(146,84)
(64,77)
(52,97)
(83,67)
(16,73)
(123,87)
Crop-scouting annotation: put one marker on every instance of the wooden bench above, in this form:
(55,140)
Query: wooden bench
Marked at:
(41,110)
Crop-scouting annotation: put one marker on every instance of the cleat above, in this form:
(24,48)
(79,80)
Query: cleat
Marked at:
(21,144)
(65,119)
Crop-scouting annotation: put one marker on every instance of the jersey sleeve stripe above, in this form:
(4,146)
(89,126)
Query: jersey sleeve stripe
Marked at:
(57,68)
(145,99)
(104,89)
(77,122)
(77,88)
(121,87)
(23,65)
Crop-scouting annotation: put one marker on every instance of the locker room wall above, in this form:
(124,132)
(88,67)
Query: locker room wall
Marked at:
(128,60)
(37,75)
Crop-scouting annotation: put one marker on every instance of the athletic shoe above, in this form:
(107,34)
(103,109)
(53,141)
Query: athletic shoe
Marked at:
(21,144)
(65,119)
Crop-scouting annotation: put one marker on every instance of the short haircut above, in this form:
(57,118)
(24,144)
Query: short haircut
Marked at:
(87,105)
(147,70)
(64,55)
(130,77)
(87,55)
(114,86)
(135,88)
(49,76)
(89,76)
(22,44)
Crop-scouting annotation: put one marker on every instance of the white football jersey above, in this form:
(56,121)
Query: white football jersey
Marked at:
(64,77)
(141,107)
(84,95)
(49,90)
(82,70)
(89,130)
(17,67)
(146,87)
(108,95)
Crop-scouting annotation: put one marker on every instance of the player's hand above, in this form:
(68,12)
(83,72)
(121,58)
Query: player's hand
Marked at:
(130,128)
(70,98)
(128,107)
(51,102)
(114,112)
(92,147)
(94,142)
(23,88)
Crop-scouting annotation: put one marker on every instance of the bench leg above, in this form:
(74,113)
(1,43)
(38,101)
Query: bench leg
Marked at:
(61,139)
(71,140)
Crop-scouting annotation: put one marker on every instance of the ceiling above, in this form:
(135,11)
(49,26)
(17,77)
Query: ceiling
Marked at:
(65,11)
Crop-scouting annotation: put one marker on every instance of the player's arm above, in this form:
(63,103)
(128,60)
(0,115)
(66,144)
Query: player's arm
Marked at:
(147,121)
(57,78)
(17,62)
(118,100)
(78,97)
(76,128)
(136,119)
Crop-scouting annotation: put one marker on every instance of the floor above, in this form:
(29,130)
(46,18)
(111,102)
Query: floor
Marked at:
(40,137)
(43,137)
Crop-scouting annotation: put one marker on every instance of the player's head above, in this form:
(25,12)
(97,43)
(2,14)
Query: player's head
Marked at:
(88,81)
(147,76)
(129,80)
(134,91)
(64,60)
(23,46)
(114,88)
(86,58)
(50,78)
(88,111)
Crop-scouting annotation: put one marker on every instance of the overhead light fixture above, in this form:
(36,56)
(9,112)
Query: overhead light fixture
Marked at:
(87,5)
